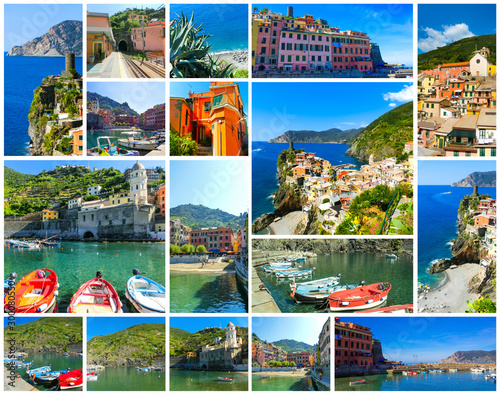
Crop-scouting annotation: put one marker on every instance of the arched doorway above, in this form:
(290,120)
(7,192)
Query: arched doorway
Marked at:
(204,367)
(123,46)
(88,235)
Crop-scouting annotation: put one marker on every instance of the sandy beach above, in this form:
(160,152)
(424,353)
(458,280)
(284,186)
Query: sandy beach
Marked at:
(238,58)
(286,225)
(452,296)
(293,373)
(207,268)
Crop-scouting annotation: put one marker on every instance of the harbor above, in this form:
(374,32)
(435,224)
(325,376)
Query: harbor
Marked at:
(183,380)
(129,378)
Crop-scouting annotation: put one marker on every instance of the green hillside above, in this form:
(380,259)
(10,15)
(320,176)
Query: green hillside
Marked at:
(290,345)
(12,177)
(458,51)
(198,216)
(30,194)
(112,105)
(139,342)
(386,136)
(47,333)
(120,19)
(182,341)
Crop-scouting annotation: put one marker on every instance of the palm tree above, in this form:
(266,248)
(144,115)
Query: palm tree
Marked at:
(189,52)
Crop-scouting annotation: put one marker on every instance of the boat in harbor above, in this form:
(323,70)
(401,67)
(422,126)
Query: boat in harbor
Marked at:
(281,264)
(95,296)
(391,256)
(400,308)
(273,269)
(146,295)
(477,369)
(360,298)
(229,379)
(43,369)
(452,370)
(357,382)
(241,268)
(21,244)
(92,376)
(135,141)
(293,273)
(35,293)
(316,291)
(46,377)
(106,148)
(69,380)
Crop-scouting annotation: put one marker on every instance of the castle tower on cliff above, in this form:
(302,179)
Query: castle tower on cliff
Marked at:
(291,146)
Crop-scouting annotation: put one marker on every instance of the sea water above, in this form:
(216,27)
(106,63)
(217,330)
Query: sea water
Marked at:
(127,379)
(19,89)
(437,225)
(77,262)
(264,172)
(279,383)
(191,380)
(226,23)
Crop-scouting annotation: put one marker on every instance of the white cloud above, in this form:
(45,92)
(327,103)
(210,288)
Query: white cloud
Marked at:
(449,34)
(392,104)
(404,95)
(347,123)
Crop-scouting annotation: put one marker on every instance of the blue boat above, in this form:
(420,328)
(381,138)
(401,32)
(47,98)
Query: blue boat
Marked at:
(46,377)
(43,369)
(273,269)
(146,295)
(317,294)
(294,273)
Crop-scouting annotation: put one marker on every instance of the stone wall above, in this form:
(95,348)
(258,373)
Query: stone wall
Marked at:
(65,228)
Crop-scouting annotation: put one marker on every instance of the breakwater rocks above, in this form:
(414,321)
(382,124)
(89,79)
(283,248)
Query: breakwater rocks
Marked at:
(335,245)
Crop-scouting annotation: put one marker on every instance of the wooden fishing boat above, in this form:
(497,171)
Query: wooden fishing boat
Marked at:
(91,376)
(400,308)
(230,379)
(34,293)
(360,298)
(47,377)
(95,296)
(273,269)
(293,273)
(357,382)
(146,295)
(319,295)
(43,369)
(73,379)
(281,264)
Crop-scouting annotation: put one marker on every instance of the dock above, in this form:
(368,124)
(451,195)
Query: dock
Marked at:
(19,383)
(262,301)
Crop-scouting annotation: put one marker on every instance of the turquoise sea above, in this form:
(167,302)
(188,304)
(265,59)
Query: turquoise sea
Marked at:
(127,379)
(282,383)
(192,380)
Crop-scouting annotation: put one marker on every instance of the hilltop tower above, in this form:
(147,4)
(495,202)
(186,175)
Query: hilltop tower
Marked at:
(138,184)
(231,339)
(289,11)
(291,146)
(476,190)
(70,61)
(95,105)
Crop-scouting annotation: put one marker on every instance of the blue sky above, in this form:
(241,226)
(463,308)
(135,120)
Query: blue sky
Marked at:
(195,324)
(181,89)
(24,22)
(304,329)
(446,172)
(37,166)
(140,96)
(429,339)
(112,9)
(106,325)
(222,184)
(281,106)
(442,24)
(388,25)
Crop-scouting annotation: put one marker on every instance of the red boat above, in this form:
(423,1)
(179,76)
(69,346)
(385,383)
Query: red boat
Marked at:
(35,293)
(95,296)
(73,379)
(400,308)
(357,382)
(360,298)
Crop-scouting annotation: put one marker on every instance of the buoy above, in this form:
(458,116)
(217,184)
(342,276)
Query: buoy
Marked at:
(140,254)
(97,253)
(116,254)
(84,251)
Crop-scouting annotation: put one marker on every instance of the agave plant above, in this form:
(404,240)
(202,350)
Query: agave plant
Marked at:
(189,52)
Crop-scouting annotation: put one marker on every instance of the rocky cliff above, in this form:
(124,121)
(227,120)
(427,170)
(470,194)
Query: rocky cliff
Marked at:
(485,179)
(310,136)
(471,357)
(63,38)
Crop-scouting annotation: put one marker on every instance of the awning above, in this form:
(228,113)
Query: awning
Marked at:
(107,31)
(462,133)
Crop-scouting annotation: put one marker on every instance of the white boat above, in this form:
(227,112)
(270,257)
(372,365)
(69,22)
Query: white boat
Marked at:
(109,149)
(477,370)
(294,273)
(136,142)
(146,295)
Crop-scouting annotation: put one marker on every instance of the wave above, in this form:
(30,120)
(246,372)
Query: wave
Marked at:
(450,243)
(443,193)
(257,149)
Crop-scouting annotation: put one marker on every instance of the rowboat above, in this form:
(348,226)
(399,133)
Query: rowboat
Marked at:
(51,243)
(73,379)
(273,269)
(46,377)
(281,264)
(230,379)
(43,369)
(95,296)
(34,293)
(293,273)
(400,308)
(452,370)
(391,256)
(357,382)
(146,295)
(360,298)
(136,142)
(109,149)
(91,376)
(317,295)
(320,283)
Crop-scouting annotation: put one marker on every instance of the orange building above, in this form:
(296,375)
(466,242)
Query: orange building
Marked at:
(100,38)
(77,141)
(161,199)
(217,115)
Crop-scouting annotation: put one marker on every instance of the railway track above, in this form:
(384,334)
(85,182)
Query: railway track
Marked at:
(143,69)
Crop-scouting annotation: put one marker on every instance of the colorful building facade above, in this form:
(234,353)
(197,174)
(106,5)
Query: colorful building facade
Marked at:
(149,38)
(221,238)
(353,345)
(100,40)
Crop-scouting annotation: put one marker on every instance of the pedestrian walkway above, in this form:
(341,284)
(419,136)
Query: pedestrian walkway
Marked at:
(113,66)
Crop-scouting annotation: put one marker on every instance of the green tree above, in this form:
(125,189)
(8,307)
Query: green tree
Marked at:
(187,248)
(174,249)
(201,249)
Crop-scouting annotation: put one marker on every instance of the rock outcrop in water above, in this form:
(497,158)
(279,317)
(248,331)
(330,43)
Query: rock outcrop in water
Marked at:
(65,37)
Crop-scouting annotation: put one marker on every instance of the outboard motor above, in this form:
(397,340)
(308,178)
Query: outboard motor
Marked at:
(98,274)
(13,276)
(362,283)
(136,272)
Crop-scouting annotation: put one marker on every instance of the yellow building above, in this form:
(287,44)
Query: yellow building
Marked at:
(119,198)
(255,37)
(492,70)
(138,18)
(427,85)
(48,215)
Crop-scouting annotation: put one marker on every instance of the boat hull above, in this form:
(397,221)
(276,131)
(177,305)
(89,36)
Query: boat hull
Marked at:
(360,307)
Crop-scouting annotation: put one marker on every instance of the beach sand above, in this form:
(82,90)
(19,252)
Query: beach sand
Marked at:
(452,296)
(286,225)
(296,373)
(238,58)
(207,268)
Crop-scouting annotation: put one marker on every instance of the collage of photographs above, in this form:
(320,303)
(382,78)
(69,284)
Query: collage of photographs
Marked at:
(331,163)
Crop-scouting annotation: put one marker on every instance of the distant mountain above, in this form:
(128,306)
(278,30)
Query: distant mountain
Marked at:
(110,104)
(458,51)
(290,345)
(471,357)
(198,216)
(485,179)
(310,136)
(63,38)
(386,136)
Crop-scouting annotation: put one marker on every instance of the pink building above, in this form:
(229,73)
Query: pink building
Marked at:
(149,38)
(213,238)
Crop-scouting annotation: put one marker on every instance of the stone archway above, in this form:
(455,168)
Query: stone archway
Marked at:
(204,367)
(88,235)
(123,46)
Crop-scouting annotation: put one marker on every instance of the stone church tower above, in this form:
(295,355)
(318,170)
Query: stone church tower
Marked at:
(231,339)
(138,184)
